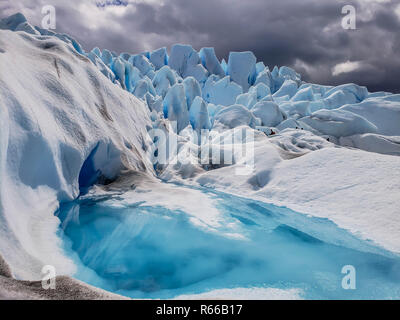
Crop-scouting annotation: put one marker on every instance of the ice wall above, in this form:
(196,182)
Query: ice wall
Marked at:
(63,126)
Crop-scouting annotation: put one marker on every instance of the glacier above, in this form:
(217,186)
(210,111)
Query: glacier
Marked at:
(74,123)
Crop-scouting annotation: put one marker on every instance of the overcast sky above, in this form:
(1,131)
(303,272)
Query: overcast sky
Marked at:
(304,34)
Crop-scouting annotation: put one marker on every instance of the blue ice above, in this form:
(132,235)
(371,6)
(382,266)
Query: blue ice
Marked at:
(146,251)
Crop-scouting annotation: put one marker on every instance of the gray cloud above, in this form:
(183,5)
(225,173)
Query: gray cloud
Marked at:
(306,35)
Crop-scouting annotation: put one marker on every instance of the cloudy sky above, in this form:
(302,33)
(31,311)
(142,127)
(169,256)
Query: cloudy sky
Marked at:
(304,34)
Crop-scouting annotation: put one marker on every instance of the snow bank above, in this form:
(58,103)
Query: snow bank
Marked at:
(357,190)
(373,143)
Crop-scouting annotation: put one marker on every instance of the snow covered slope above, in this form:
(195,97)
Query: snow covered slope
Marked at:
(357,190)
(63,126)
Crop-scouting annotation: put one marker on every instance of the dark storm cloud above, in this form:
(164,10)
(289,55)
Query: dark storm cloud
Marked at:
(306,34)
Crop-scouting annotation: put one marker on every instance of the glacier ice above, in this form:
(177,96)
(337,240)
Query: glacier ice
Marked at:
(255,94)
(339,123)
(192,90)
(223,92)
(243,81)
(26,27)
(163,80)
(246,99)
(175,106)
(118,67)
(242,68)
(210,62)
(76,118)
(304,94)
(159,58)
(12,22)
(338,98)
(265,77)
(297,109)
(360,93)
(142,87)
(48,130)
(107,57)
(288,74)
(154,103)
(143,64)
(261,91)
(288,88)
(186,62)
(269,113)
(104,69)
(199,114)
(385,115)
(234,116)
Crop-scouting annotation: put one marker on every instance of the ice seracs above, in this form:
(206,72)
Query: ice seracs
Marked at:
(210,62)
(242,68)
(288,89)
(199,118)
(12,22)
(269,113)
(163,80)
(192,90)
(159,58)
(186,62)
(221,92)
(236,115)
(175,106)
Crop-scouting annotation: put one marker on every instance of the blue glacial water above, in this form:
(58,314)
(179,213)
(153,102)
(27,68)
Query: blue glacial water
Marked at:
(145,251)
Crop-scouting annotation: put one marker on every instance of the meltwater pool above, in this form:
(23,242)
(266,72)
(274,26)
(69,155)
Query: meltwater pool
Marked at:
(150,251)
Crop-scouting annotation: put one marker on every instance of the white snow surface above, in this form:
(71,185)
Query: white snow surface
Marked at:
(357,190)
